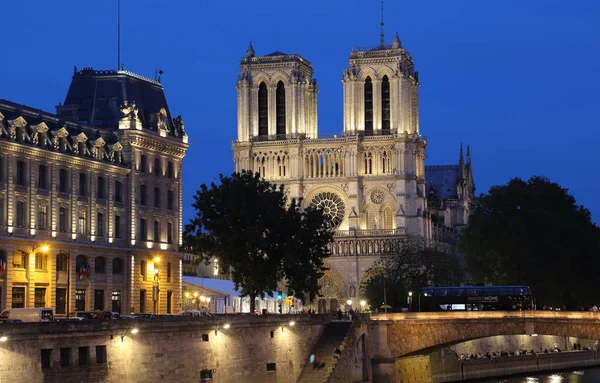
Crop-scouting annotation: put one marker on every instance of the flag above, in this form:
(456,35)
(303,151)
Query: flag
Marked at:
(2,265)
(84,272)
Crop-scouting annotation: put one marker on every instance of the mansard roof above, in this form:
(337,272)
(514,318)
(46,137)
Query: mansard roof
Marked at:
(444,179)
(96,97)
(34,122)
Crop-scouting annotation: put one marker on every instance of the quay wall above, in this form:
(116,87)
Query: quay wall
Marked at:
(253,349)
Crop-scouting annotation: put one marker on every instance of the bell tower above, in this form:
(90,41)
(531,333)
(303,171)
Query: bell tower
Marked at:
(277,97)
(381,91)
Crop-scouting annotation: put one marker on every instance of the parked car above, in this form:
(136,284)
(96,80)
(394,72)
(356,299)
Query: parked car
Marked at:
(102,315)
(28,315)
(194,313)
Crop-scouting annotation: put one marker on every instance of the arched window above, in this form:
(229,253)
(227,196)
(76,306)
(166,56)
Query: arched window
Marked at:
(385,105)
(388,218)
(100,265)
(117,266)
(371,219)
(263,110)
(81,263)
(62,262)
(280,107)
(368,105)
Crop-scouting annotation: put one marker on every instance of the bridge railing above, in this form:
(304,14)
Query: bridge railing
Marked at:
(533,314)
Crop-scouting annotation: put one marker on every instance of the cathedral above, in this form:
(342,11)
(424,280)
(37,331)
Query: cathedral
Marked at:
(370,179)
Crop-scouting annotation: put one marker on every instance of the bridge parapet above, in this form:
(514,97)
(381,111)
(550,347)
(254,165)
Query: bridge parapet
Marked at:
(459,315)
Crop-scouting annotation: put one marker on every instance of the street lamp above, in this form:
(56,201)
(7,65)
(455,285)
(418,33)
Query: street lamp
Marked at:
(409,301)
(208,304)
(363,303)
(196,300)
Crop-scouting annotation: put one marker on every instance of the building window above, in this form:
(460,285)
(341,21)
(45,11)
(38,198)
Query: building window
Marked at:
(100,265)
(40,298)
(117,266)
(2,220)
(143,230)
(169,272)
(169,233)
(385,105)
(117,297)
(62,262)
(84,356)
(20,260)
(169,302)
(157,197)
(82,222)
(62,220)
(263,110)
(271,366)
(42,177)
(100,224)
(80,299)
(142,301)
(117,226)
(280,107)
(18,297)
(368,105)
(118,191)
(157,166)
(99,300)
(41,262)
(156,231)
(143,270)
(142,194)
(46,355)
(65,357)
(20,214)
(61,301)
(170,172)
(82,182)
(170,199)
(20,173)
(100,191)
(143,163)
(42,222)
(62,181)
(101,354)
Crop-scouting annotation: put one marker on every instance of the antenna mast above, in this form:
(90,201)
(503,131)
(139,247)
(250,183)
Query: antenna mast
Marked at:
(119,33)
(382,39)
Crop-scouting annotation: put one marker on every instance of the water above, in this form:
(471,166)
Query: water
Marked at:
(588,375)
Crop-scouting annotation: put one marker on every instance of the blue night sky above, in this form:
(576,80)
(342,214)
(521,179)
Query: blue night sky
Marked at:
(516,80)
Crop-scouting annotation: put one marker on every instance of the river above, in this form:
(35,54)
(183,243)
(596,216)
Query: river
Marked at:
(584,375)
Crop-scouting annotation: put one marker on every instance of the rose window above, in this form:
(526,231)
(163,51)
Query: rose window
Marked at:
(331,205)
(377,196)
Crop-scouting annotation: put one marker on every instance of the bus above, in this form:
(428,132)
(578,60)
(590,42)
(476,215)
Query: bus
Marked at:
(475,298)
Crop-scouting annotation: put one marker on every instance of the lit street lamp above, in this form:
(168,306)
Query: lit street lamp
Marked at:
(409,301)
(363,303)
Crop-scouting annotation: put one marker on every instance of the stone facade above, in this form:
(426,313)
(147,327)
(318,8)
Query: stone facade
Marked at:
(103,195)
(369,179)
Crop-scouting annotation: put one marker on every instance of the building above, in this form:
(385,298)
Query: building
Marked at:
(90,199)
(370,179)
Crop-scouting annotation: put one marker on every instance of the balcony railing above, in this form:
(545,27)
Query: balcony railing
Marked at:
(369,233)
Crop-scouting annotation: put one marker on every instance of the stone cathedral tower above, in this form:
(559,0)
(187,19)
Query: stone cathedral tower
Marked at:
(369,178)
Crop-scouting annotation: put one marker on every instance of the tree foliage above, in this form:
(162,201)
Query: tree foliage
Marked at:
(248,224)
(412,265)
(534,233)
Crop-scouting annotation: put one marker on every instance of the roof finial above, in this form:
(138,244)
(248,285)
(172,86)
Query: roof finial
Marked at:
(468,154)
(250,50)
(382,39)
(396,44)
(461,163)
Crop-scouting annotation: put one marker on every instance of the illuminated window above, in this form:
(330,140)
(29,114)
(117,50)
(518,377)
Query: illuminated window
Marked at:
(82,222)
(18,297)
(41,262)
(42,222)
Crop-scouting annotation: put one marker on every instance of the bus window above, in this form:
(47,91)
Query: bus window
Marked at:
(492,291)
(440,293)
(427,292)
(505,291)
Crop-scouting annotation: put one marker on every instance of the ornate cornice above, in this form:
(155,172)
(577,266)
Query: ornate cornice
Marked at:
(176,149)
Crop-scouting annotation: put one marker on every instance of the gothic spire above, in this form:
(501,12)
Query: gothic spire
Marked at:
(396,44)
(461,164)
(250,50)
(468,155)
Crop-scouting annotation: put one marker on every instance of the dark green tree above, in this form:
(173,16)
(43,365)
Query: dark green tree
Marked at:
(409,267)
(534,233)
(248,224)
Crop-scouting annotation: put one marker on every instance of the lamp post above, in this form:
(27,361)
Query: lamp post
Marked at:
(208,304)
(409,301)
(196,300)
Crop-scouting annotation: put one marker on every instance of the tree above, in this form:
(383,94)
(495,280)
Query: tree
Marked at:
(248,224)
(412,265)
(534,233)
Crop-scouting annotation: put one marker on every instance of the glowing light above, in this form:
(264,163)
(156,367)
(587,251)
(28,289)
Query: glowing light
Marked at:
(110,239)
(134,331)
(73,236)
(3,338)
(149,245)
(156,259)
(363,303)
(410,293)
(32,231)
(163,246)
(93,238)
(54,233)
(44,248)
(195,294)
(292,323)
(133,242)
(10,229)
(349,302)
(187,294)
(226,326)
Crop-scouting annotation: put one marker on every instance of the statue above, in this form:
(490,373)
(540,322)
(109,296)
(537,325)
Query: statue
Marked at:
(162,119)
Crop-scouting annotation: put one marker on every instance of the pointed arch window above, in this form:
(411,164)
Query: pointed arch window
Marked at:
(263,110)
(280,107)
(385,105)
(388,218)
(368,105)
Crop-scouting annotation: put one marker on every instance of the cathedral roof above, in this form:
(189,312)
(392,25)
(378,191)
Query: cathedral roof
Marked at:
(36,123)
(443,178)
(277,53)
(95,98)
